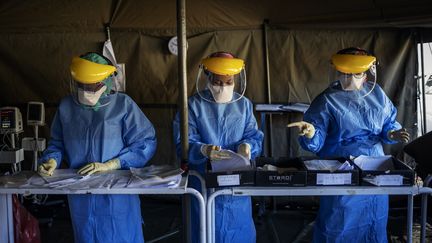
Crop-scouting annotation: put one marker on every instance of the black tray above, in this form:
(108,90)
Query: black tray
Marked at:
(230,179)
(399,169)
(335,178)
(293,178)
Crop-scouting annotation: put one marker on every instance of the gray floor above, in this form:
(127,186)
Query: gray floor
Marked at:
(162,215)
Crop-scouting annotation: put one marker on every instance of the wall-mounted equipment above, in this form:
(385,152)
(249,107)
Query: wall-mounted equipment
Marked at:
(10,120)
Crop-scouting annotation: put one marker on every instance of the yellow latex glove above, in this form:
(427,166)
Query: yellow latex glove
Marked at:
(306,129)
(47,168)
(244,149)
(214,152)
(400,135)
(94,167)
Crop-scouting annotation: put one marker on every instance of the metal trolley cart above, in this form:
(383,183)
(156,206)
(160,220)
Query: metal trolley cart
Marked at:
(6,192)
(410,191)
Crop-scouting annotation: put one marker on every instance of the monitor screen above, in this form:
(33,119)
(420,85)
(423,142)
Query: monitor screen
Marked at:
(7,119)
(34,112)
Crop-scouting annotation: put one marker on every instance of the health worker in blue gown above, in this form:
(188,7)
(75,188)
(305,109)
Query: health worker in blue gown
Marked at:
(97,129)
(352,117)
(221,118)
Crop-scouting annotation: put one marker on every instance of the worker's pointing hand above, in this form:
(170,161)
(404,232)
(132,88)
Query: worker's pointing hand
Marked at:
(306,129)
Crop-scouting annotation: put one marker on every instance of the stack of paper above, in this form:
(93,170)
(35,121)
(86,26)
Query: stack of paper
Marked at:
(155,176)
(236,162)
(331,165)
(382,163)
(385,180)
(379,163)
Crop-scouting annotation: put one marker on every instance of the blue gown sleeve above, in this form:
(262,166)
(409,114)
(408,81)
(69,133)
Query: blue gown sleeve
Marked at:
(319,116)
(195,155)
(139,138)
(390,122)
(252,135)
(55,149)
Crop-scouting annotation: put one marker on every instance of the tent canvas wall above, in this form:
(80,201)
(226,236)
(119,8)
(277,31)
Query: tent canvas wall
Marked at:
(39,38)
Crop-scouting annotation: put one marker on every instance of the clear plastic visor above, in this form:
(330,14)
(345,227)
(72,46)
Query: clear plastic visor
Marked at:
(91,95)
(221,89)
(353,81)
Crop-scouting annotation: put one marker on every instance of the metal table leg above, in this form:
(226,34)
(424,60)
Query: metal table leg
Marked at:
(202,207)
(6,218)
(423,217)
(202,181)
(410,218)
(210,213)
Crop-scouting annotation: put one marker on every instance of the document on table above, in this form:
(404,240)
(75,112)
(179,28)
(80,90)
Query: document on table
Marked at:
(235,162)
(331,165)
(60,178)
(155,176)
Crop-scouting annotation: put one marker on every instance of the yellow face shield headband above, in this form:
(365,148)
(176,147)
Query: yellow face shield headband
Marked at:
(87,72)
(351,64)
(223,65)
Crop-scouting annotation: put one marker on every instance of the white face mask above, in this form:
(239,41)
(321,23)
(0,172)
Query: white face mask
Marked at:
(352,82)
(90,98)
(221,94)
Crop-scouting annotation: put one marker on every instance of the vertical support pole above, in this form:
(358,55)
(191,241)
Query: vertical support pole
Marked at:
(36,148)
(423,84)
(182,77)
(268,87)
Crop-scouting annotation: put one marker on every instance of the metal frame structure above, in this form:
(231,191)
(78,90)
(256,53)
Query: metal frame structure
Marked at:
(425,191)
(6,216)
(311,191)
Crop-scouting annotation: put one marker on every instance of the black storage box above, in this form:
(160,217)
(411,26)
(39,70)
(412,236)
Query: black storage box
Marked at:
(282,177)
(383,170)
(419,150)
(230,178)
(329,178)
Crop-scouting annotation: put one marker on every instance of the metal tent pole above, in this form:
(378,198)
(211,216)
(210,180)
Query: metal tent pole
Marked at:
(182,77)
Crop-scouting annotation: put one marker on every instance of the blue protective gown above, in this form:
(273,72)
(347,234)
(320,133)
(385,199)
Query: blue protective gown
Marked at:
(228,126)
(81,135)
(348,124)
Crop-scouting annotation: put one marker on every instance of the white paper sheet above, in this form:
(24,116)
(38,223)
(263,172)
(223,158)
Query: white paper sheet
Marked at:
(155,176)
(228,180)
(236,162)
(385,180)
(331,165)
(382,163)
(334,179)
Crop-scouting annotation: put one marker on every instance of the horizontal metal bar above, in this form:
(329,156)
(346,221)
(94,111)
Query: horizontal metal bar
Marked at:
(323,191)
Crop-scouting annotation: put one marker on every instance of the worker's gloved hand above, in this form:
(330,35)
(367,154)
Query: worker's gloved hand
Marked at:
(400,135)
(47,168)
(94,167)
(306,129)
(214,152)
(244,149)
